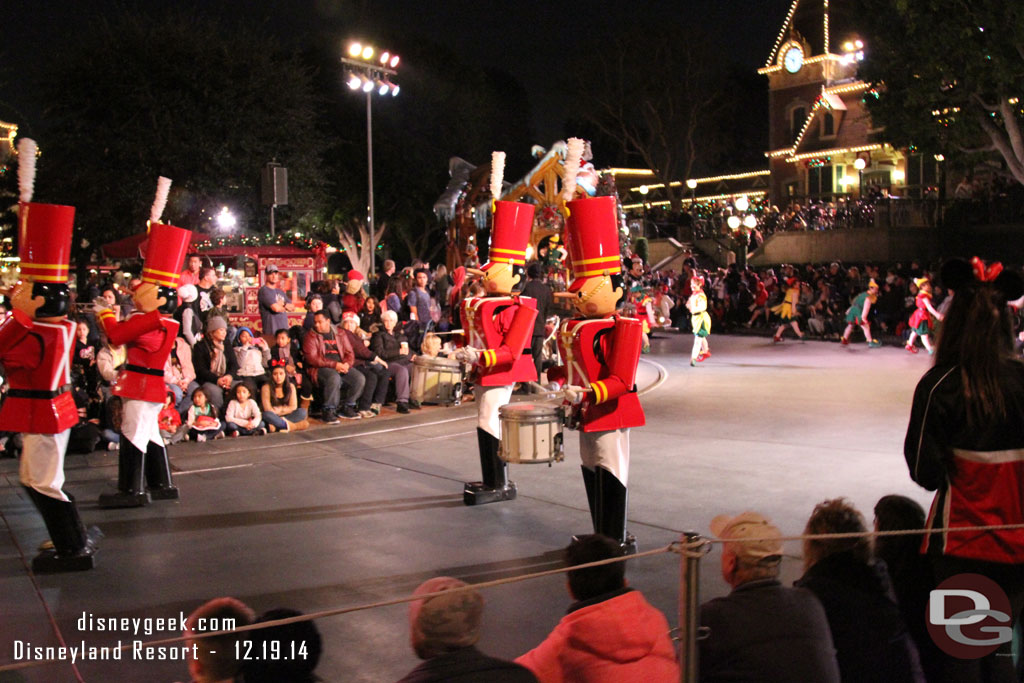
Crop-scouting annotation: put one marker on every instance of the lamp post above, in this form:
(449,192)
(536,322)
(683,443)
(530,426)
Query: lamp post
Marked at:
(643,200)
(368,75)
(860,165)
(692,184)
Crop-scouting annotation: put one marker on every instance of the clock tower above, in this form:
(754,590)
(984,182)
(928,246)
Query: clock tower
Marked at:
(818,124)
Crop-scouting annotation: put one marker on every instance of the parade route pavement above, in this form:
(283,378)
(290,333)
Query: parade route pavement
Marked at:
(364,512)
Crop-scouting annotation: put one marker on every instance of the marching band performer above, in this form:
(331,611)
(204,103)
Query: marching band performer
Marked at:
(601,351)
(499,327)
(700,321)
(36,345)
(144,472)
(857,315)
(922,320)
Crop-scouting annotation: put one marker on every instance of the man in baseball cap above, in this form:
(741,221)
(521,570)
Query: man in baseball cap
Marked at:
(762,630)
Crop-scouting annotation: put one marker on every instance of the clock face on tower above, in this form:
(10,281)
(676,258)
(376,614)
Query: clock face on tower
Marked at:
(793,58)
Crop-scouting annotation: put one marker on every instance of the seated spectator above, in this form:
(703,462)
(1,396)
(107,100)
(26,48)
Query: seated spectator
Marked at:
(762,631)
(370,315)
(214,363)
(373,368)
(329,359)
(286,350)
(280,399)
(392,346)
(179,375)
(243,416)
(187,314)
(315,304)
(611,632)
(215,661)
(253,354)
(110,361)
(871,639)
(83,362)
(301,638)
(202,421)
(911,573)
(444,630)
(169,421)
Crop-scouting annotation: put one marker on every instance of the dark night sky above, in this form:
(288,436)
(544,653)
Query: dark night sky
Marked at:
(525,38)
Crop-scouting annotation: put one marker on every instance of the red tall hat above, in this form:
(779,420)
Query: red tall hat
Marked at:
(510,233)
(165,254)
(592,236)
(44,241)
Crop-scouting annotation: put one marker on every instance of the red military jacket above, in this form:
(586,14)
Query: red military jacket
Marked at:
(501,327)
(601,355)
(37,357)
(149,338)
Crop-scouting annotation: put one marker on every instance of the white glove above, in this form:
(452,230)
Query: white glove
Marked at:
(574,395)
(467,354)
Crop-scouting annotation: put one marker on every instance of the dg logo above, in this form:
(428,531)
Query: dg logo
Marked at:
(968,616)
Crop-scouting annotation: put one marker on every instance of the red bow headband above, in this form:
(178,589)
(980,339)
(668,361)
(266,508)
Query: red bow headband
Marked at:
(278,363)
(983,273)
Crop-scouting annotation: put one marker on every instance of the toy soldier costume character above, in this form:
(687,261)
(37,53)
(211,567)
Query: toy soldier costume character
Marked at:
(36,345)
(144,472)
(601,351)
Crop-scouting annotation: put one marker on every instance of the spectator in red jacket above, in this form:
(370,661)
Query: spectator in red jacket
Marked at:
(611,632)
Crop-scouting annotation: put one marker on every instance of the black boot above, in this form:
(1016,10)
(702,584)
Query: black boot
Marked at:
(74,548)
(131,490)
(590,484)
(610,518)
(495,486)
(158,473)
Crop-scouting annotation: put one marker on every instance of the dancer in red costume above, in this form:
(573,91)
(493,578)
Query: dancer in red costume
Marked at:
(144,472)
(922,320)
(36,345)
(601,351)
(498,328)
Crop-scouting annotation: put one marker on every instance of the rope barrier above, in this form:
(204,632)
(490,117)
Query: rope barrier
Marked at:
(695,549)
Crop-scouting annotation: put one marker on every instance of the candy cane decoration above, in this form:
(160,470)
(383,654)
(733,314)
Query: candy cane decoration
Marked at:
(163,188)
(26,168)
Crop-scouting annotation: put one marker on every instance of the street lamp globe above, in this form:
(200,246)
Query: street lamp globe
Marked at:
(733,222)
(692,184)
(355,49)
(860,164)
(742,203)
(643,189)
(750,221)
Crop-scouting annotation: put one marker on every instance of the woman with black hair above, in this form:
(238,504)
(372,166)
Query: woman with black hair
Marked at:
(966,442)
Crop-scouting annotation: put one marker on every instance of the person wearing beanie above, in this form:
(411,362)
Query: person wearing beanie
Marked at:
(444,630)
(215,365)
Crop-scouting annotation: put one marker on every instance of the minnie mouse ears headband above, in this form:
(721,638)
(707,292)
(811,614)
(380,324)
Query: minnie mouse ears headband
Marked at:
(958,274)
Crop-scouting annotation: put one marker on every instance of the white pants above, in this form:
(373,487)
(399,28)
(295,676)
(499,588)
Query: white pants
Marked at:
(42,463)
(140,423)
(488,400)
(609,450)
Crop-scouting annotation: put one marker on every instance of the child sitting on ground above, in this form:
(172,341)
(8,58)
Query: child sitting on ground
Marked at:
(169,420)
(202,419)
(243,416)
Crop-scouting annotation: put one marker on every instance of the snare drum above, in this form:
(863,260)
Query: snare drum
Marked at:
(436,380)
(531,433)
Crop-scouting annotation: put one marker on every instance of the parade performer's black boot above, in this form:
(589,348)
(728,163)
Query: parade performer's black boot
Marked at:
(590,484)
(158,473)
(612,498)
(131,489)
(74,548)
(495,486)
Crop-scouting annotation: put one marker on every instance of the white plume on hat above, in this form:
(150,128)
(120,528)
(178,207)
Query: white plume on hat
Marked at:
(26,168)
(572,166)
(497,173)
(163,188)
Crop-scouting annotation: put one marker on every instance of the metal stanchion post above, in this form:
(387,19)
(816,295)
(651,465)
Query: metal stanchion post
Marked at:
(689,602)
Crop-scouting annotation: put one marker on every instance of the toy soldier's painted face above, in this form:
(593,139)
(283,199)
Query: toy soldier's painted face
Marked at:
(149,297)
(597,296)
(499,278)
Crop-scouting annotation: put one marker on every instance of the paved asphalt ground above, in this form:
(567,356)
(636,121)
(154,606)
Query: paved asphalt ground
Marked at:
(364,512)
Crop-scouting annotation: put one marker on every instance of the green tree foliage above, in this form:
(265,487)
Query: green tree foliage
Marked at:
(949,74)
(179,95)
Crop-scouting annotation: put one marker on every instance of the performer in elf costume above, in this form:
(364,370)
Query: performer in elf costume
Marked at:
(697,304)
(144,472)
(857,315)
(787,309)
(922,320)
(36,346)
(498,328)
(601,350)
